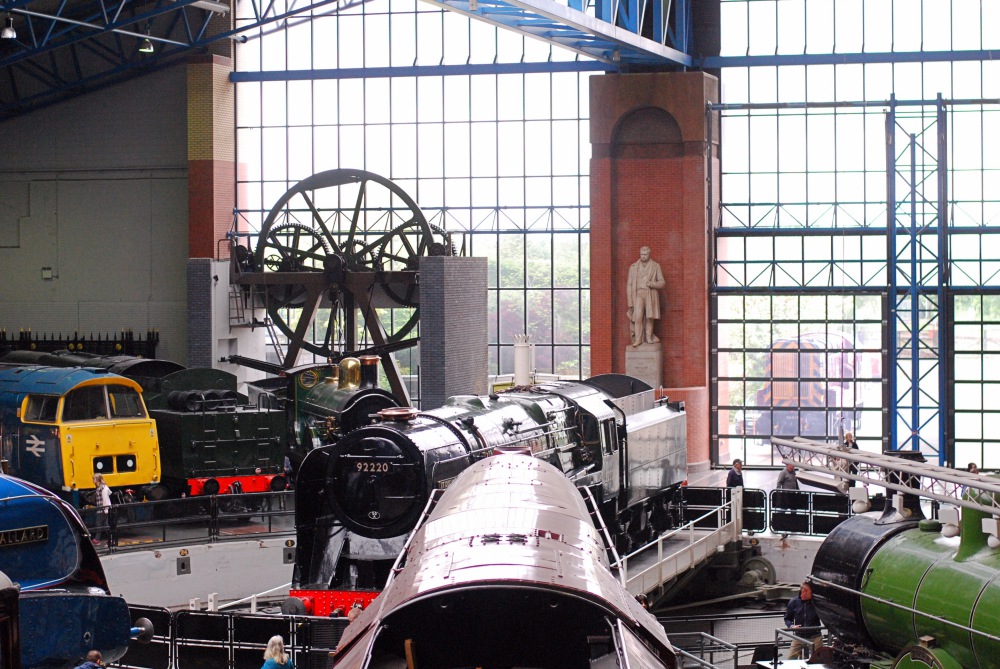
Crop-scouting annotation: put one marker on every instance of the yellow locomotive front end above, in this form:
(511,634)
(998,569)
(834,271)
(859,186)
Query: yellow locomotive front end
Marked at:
(62,426)
(106,430)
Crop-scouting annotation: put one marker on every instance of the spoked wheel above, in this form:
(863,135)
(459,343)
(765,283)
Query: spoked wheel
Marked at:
(350,219)
(291,248)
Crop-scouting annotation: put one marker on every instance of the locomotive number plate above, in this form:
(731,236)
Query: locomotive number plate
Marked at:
(372,467)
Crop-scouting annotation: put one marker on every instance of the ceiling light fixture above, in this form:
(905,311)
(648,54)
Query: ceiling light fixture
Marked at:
(8,31)
(145,46)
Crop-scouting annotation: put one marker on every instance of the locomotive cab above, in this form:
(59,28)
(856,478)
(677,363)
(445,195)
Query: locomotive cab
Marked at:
(59,427)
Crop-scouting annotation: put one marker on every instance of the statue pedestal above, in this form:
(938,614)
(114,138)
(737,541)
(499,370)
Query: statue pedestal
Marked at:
(645,362)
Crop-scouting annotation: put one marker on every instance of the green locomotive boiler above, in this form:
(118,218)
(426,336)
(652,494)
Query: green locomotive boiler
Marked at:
(914,590)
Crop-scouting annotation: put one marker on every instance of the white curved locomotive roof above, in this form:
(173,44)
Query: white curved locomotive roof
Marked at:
(508,553)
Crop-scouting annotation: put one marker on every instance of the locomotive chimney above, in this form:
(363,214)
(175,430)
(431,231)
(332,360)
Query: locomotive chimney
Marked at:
(350,374)
(369,371)
(524,357)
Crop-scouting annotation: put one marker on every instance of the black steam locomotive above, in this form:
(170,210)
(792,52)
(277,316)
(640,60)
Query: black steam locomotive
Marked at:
(357,499)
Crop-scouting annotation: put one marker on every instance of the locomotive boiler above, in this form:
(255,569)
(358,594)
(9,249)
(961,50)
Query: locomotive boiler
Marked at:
(508,554)
(357,499)
(907,590)
(899,590)
(325,401)
(64,607)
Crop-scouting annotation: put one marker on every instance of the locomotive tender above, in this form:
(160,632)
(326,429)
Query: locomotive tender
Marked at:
(357,499)
(54,578)
(510,556)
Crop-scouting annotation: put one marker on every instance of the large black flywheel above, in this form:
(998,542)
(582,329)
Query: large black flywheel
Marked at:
(335,223)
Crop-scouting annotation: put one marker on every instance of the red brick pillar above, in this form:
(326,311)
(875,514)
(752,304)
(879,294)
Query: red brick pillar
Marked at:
(649,187)
(211,154)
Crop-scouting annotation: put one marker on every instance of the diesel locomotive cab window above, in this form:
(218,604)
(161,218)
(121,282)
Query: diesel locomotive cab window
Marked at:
(125,402)
(41,408)
(86,403)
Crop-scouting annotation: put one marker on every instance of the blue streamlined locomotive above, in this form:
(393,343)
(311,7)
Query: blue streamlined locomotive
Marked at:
(65,608)
(509,554)
(357,499)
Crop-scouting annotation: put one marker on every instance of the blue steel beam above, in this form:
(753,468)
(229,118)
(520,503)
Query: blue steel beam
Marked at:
(916,179)
(72,46)
(613,34)
(718,62)
(422,71)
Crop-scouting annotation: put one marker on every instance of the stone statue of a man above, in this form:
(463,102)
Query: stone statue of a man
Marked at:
(644,280)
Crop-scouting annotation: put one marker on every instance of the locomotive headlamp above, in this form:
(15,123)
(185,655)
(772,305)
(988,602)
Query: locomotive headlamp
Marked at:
(949,515)
(859,499)
(991,526)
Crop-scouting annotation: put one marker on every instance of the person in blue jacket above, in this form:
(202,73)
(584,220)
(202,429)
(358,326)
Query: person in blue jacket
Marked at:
(735,478)
(802,619)
(275,656)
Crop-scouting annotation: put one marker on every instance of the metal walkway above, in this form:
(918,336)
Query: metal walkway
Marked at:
(658,563)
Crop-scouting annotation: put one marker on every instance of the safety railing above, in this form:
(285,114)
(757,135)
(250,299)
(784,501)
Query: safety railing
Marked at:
(202,519)
(806,512)
(696,545)
(229,640)
(704,650)
(801,642)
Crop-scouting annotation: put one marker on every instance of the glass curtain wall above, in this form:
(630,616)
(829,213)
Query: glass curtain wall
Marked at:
(805,262)
(501,161)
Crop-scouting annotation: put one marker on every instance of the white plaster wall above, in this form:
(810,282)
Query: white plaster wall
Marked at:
(232,569)
(228,340)
(95,188)
(792,557)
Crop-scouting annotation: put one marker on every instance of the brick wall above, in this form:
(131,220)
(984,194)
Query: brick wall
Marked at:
(453,331)
(199,312)
(654,195)
(211,154)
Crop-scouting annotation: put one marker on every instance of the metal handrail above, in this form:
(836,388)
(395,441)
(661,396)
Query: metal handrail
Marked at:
(253,598)
(735,504)
(210,512)
(715,643)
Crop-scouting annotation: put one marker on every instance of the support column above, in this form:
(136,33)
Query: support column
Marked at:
(211,199)
(453,341)
(211,153)
(652,150)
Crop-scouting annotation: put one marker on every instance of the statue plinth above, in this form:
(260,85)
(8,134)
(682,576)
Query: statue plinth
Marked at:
(645,362)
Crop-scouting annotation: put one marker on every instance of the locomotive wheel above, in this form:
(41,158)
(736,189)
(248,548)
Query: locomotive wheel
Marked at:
(291,248)
(763,567)
(403,250)
(364,219)
(355,213)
